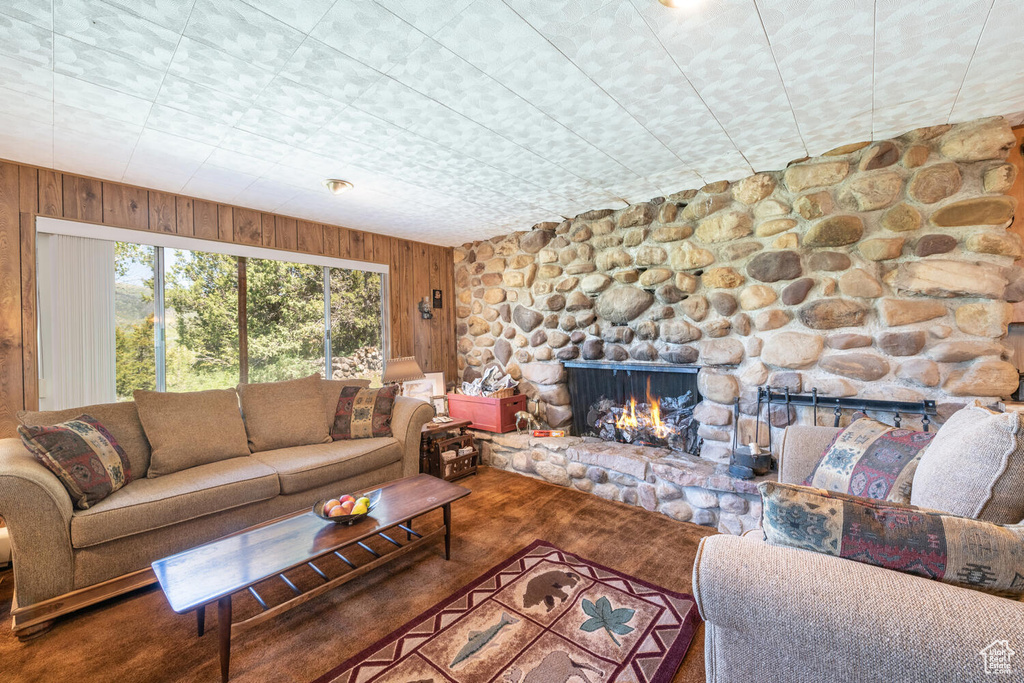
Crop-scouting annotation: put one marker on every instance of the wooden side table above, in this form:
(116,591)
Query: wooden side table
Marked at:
(438,437)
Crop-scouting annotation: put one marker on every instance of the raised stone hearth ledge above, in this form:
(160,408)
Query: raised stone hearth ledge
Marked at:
(879,269)
(682,486)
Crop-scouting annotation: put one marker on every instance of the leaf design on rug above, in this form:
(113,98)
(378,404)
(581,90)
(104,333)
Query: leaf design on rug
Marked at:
(613,621)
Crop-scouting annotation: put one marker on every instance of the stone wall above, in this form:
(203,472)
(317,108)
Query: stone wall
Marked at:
(881,270)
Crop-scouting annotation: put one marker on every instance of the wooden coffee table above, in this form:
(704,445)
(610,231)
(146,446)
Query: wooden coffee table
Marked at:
(214,572)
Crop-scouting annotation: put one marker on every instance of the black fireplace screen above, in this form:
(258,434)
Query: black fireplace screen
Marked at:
(636,403)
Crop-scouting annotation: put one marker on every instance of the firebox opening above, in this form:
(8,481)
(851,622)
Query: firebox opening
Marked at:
(636,403)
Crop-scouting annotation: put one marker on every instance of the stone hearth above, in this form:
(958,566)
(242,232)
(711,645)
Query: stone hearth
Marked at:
(684,487)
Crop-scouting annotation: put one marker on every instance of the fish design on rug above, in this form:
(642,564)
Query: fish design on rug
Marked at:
(478,640)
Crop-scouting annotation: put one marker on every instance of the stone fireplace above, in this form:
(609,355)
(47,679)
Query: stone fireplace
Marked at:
(644,404)
(882,270)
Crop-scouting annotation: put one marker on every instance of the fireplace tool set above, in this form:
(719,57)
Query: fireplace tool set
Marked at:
(747,461)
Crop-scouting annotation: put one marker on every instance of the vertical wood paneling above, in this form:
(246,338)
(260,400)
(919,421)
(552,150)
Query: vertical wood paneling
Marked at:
(28,178)
(248,227)
(163,212)
(286,237)
(310,237)
(332,241)
(30,352)
(12,388)
(183,219)
(355,245)
(267,230)
(83,199)
(51,193)
(204,221)
(125,206)
(415,269)
(225,223)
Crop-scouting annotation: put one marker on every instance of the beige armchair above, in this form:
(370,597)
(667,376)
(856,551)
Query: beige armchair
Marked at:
(787,615)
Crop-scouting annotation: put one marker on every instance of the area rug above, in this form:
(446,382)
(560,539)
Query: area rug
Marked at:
(542,616)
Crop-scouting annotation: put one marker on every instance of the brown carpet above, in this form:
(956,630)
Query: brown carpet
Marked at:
(139,638)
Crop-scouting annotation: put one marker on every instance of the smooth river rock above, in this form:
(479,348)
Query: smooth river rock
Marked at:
(863,366)
(830,314)
(792,350)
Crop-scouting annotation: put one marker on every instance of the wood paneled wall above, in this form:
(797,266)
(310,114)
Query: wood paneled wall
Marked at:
(27,191)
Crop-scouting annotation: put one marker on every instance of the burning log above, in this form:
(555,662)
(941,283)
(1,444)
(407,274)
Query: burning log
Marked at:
(665,422)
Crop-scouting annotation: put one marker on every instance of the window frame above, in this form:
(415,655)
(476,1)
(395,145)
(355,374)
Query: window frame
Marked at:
(160,241)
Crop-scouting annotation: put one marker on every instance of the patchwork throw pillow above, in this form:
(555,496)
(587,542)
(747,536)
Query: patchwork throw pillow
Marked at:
(975,467)
(364,413)
(84,456)
(871,459)
(955,550)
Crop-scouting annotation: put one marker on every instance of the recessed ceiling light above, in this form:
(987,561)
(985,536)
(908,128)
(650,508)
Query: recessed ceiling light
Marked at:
(675,4)
(337,186)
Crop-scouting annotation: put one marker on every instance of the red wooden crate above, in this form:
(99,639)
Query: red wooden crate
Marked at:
(488,414)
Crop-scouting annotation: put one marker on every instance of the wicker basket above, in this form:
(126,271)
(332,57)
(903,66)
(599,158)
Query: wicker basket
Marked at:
(503,393)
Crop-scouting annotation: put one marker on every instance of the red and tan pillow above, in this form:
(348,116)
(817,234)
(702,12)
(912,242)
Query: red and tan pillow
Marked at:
(84,456)
(363,413)
(871,459)
(956,550)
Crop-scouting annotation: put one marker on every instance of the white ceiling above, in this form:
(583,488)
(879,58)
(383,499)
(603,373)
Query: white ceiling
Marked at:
(462,119)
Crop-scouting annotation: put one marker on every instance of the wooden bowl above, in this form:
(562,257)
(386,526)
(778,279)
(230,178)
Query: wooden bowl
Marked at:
(374,496)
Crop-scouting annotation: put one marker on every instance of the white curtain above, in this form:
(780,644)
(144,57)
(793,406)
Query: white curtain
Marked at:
(76,305)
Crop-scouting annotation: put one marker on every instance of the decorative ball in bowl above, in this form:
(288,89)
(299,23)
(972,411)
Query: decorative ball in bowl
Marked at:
(347,509)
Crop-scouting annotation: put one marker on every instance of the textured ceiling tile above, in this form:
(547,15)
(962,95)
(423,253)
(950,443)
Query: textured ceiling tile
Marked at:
(38,12)
(243,32)
(191,126)
(292,99)
(302,15)
(98,155)
(145,173)
(324,69)
(995,79)
(277,126)
(171,149)
(20,105)
(265,195)
(25,41)
(94,125)
(428,17)
(31,79)
(201,101)
(98,99)
(839,85)
(26,140)
(209,178)
(112,28)
(171,14)
(234,161)
(355,26)
(198,62)
(244,142)
(94,65)
(922,50)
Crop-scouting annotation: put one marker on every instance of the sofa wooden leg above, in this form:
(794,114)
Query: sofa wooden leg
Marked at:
(34,631)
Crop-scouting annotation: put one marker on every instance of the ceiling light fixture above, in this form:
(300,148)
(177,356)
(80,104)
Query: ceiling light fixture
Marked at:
(676,4)
(337,186)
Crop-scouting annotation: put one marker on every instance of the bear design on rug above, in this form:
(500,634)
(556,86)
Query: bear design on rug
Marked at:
(548,586)
(556,667)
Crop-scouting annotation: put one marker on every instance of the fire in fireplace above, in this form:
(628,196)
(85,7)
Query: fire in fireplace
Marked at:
(616,402)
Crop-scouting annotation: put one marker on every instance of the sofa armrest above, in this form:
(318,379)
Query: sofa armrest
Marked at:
(782,614)
(407,420)
(37,510)
(801,449)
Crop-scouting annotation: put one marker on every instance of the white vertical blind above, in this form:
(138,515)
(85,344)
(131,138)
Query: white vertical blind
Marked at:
(79,307)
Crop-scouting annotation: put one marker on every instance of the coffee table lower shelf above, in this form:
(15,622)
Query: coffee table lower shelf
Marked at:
(224,617)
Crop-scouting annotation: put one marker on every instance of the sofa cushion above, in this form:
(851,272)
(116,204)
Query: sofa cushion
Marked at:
(364,413)
(120,419)
(148,504)
(871,459)
(975,467)
(305,467)
(956,550)
(283,414)
(191,429)
(332,392)
(83,454)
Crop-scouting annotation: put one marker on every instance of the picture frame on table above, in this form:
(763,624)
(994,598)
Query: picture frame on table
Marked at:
(430,389)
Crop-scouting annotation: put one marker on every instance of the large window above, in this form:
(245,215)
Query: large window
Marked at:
(182,319)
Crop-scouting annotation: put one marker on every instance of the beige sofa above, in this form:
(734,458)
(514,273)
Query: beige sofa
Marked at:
(60,550)
(781,614)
